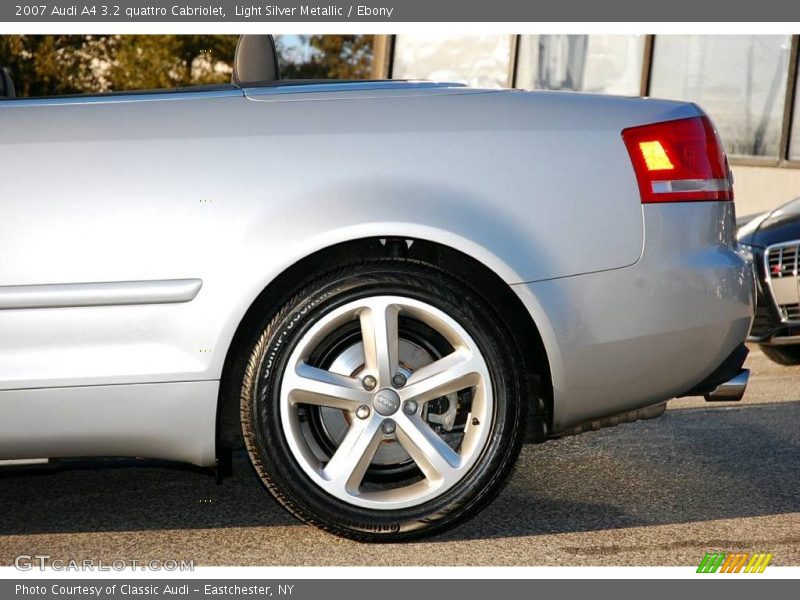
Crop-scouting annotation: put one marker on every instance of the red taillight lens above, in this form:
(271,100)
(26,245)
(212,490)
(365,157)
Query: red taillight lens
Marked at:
(679,161)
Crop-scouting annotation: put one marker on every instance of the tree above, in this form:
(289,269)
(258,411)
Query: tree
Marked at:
(169,61)
(330,57)
(45,65)
(48,65)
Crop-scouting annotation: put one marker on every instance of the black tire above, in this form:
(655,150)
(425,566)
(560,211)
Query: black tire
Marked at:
(260,411)
(783,355)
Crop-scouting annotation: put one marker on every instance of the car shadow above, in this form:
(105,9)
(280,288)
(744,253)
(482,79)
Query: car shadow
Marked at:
(693,464)
(129,495)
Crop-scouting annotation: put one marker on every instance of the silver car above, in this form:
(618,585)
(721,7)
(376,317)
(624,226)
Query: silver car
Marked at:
(381,288)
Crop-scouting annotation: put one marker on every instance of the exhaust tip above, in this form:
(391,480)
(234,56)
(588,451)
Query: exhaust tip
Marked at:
(730,391)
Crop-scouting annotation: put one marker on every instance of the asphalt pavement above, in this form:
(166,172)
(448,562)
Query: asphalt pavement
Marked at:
(663,492)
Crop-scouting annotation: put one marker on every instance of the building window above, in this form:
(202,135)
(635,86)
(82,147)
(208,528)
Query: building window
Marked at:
(606,64)
(479,60)
(739,80)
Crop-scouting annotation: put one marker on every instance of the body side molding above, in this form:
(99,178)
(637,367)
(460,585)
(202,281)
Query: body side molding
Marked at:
(62,295)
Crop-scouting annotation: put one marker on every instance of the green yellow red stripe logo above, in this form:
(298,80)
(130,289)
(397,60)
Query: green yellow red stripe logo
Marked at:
(734,562)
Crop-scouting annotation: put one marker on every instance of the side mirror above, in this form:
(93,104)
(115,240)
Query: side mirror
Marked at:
(6,84)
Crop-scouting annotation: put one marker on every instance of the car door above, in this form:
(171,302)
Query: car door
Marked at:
(107,208)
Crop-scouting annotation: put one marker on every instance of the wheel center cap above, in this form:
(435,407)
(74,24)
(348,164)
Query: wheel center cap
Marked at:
(386,402)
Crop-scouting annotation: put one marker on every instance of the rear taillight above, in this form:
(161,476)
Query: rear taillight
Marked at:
(679,161)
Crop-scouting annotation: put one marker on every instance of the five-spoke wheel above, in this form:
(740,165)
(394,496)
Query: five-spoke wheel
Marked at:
(384,401)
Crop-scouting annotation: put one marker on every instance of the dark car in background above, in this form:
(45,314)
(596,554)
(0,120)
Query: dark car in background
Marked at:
(773,239)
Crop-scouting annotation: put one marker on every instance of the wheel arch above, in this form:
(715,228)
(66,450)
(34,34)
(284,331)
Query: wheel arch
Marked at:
(452,260)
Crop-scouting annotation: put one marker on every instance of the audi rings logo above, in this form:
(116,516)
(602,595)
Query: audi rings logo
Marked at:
(386,402)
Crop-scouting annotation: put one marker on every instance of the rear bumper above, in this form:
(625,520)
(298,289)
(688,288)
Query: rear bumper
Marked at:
(629,338)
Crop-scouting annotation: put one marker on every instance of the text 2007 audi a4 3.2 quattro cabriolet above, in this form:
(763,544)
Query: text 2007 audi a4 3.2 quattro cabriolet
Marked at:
(383,288)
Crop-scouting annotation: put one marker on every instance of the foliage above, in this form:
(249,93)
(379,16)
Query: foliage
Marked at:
(46,65)
(166,61)
(331,57)
(43,65)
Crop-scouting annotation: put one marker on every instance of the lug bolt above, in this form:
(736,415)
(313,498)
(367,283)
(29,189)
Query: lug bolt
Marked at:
(410,407)
(475,421)
(399,380)
(369,382)
(362,412)
(388,427)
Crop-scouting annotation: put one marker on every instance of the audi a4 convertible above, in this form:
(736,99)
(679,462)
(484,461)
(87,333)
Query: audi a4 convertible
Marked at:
(381,289)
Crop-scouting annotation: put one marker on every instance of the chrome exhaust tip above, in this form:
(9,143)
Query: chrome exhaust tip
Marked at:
(730,391)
